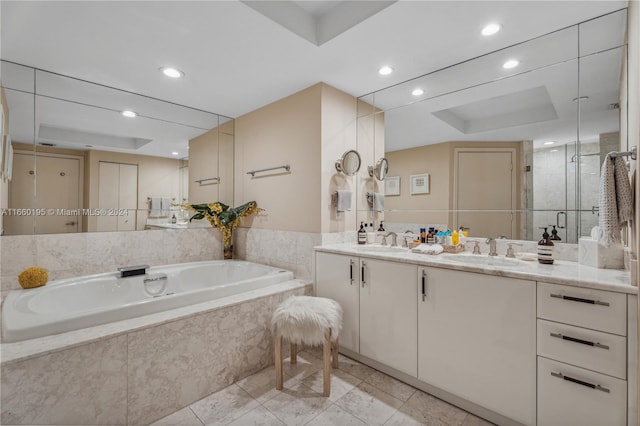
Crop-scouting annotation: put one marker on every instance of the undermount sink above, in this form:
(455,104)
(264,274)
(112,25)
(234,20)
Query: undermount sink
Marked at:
(375,248)
(484,260)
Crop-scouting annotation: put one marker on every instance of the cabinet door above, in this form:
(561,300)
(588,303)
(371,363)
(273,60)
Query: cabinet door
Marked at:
(337,278)
(388,314)
(477,339)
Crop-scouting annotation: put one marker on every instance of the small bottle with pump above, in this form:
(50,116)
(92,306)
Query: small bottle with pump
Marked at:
(423,235)
(173,219)
(554,234)
(362,234)
(545,249)
(381,228)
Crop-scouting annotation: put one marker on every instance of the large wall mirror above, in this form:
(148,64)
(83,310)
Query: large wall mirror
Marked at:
(83,164)
(499,150)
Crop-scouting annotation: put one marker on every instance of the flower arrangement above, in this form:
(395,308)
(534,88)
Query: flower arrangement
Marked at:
(33,277)
(224,218)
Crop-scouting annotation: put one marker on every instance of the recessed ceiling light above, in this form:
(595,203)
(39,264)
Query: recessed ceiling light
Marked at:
(175,153)
(554,150)
(491,29)
(511,63)
(549,142)
(172,72)
(129,114)
(417,92)
(385,70)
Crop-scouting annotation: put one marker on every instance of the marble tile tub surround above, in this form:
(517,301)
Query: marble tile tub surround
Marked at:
(138,376)
(69,255)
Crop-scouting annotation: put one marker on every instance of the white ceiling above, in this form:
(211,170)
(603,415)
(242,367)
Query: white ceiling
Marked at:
(237,60)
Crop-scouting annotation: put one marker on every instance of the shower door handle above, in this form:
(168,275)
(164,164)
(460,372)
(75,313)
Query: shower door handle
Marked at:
(558,220)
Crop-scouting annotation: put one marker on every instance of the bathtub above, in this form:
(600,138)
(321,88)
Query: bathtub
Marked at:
(75,303)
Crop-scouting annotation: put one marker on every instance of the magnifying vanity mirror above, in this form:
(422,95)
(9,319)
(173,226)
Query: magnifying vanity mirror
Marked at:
(380,170)
(349,163)
(507,151)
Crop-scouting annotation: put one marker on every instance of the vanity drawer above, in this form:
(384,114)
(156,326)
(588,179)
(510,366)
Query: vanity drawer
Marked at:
(569,395)
(594,350)
(595,309)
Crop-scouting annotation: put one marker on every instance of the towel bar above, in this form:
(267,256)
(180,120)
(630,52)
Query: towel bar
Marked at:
(633,153)
(217,179)
(253,172)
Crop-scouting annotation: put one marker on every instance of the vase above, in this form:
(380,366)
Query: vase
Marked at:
(227,243)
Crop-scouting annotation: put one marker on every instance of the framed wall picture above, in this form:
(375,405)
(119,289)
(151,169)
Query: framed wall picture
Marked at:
(419,184)
(392,185)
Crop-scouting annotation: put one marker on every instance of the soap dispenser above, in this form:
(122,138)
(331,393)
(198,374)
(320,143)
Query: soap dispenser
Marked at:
(381,228)
(554,234)
(545,249)
(362,234)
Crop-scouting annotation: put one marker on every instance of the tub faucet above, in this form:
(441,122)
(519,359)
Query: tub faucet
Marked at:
(130,271)
(394,237)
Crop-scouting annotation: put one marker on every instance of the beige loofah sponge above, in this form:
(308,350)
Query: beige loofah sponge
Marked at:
(33,277)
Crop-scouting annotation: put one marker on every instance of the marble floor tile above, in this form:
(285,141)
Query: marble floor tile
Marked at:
(305,366)
(354,367)
(224,406)
(184,417)
(392,386)
(297,405)
(404,419)
(259,416)
(335,416)
(472,420)
(369,404)
(341,383)
(424,407)
(262,385)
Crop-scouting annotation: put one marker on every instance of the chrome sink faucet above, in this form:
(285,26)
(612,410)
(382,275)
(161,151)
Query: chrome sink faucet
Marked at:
(492,245)
(394,237)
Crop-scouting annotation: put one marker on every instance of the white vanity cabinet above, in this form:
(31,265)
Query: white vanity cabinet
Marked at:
(338,278)
(378,299)
(582,356)
(477,339)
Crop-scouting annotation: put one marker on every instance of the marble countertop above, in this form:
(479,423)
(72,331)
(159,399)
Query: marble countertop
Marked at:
(561,272)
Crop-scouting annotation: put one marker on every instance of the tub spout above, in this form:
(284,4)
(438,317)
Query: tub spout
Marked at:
(130,271)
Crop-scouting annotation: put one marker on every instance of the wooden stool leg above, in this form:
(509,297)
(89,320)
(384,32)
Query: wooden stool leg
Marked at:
(326,363)
(278,356)
(334,354)
(294,353)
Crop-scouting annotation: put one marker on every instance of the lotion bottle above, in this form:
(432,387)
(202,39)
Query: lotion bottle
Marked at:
(545,249)
(362,234)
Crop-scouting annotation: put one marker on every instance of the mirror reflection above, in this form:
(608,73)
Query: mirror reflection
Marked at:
(88,157)
(349,163)
(507,150)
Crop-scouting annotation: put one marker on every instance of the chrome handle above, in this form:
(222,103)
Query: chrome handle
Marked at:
(362,274)
(424,284)
(558,220)
(581,341)
(580,382)
(579,299)
(351,271)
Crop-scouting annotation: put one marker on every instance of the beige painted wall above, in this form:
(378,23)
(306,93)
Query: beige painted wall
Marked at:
(370,142)
(437,160)
(157,177)
(287,131)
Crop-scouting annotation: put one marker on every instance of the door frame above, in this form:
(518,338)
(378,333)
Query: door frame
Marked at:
(514,192)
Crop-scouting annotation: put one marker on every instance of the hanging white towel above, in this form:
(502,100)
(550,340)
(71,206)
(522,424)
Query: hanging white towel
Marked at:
(378,202)
(166,207)
(343,203)
(155,207)
(615,200)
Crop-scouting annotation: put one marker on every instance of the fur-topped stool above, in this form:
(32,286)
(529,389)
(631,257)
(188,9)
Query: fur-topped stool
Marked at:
(311,321)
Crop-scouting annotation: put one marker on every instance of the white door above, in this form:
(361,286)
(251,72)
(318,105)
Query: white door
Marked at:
(57,191)
(117,190)
(338,278)
(485,196)
(388,314)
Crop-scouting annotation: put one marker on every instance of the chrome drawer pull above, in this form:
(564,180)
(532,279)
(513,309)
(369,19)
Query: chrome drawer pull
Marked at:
(351,271)
(584,342)
(578,299)
(362,274)
(424,284)
(580,382)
